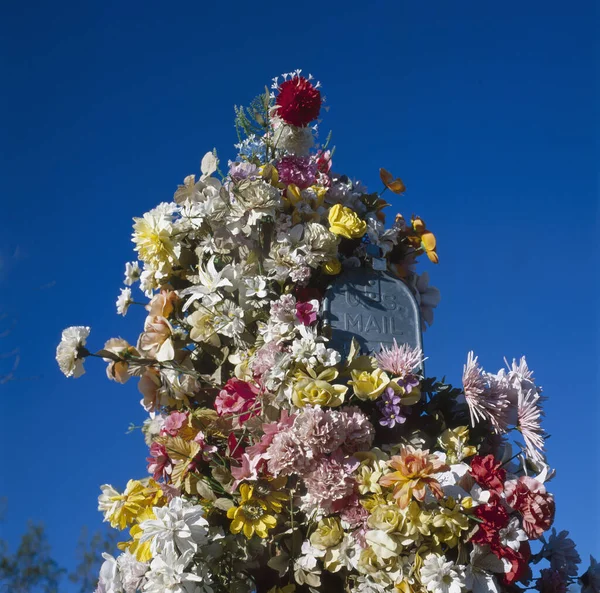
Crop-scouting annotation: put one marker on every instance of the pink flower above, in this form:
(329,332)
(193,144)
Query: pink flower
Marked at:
(247,471)
(330,483)
(399,360)
(307,312)
(159,464)
(288,455)
(174,422)
(237,397)
(359,432)
(298,170)
(486,395)
(528,496)
(354,513)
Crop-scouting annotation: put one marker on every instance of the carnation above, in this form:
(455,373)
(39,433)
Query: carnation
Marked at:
(69,351)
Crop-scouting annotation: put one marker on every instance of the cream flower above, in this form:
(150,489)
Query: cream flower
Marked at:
(123,301)
(68,351)
(156,341)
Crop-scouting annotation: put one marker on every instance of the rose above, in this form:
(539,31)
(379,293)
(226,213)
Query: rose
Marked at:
(316,390)
(369,385)
(155,341)
(528,496)
(345,222)
(332,267)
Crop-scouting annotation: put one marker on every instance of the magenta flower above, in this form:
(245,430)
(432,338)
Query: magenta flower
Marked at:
(237,398)
(299,170)
(306,313)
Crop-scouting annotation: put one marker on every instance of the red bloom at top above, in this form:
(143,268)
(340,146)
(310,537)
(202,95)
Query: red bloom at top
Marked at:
(488,473)
(299,101)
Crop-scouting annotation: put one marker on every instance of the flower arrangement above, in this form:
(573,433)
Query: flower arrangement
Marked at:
(274,463)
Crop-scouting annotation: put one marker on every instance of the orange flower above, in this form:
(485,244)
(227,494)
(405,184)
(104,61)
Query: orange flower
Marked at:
(414,469)
(428,242)
(394,185)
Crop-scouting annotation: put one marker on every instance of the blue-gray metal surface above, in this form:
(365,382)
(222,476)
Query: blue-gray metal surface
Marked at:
(374,307)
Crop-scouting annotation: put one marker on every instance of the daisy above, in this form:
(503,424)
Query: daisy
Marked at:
(440,576)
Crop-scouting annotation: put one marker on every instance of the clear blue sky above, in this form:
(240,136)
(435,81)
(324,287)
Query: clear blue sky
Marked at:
(485,109)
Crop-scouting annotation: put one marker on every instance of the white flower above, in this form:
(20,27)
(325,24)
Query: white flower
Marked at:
(440,576)
(109,580)
(256,287)
(67,352)
(132,273)
(167,575)
(178,527)
(132,572)
(209,281)
(229,320)
(384,545)
(291,139)
(108,501)
(478,573)
(512,535)
(123,301)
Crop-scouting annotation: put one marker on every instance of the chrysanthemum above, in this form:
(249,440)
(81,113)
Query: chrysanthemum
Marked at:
(484,394)
(529,414)
(399,360)
(68,352)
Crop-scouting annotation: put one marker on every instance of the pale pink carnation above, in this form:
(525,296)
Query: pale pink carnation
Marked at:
(359,431)
(329,483)
(354,513)
(288,455)
(265,358)
(323,431)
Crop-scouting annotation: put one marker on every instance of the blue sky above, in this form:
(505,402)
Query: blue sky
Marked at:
(486,110)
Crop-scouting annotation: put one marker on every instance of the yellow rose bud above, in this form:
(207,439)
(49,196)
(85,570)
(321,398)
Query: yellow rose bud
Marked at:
(345,222)
(332,267)
(329,533)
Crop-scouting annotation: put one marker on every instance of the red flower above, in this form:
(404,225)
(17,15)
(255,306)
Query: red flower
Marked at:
(529,497)
(519,561)
(488,473)
(299,101)
(494,518)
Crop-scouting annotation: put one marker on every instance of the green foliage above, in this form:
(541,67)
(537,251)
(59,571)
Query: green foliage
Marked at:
(31,568)
(254,119)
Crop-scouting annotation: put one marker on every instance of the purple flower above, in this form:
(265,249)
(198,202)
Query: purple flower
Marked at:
(392,412)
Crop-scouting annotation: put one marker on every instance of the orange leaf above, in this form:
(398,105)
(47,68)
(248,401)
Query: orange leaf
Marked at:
(394,185)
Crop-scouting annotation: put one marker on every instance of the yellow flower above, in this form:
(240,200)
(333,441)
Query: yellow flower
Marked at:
(141,550)
(449,522)
(426,239)
(329,533)
(368,475)
(454,442)
(332,267)
(269,491)
(385,517)
(252,516)
(369,385)
(126,508)
(345,222)
(314,389)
